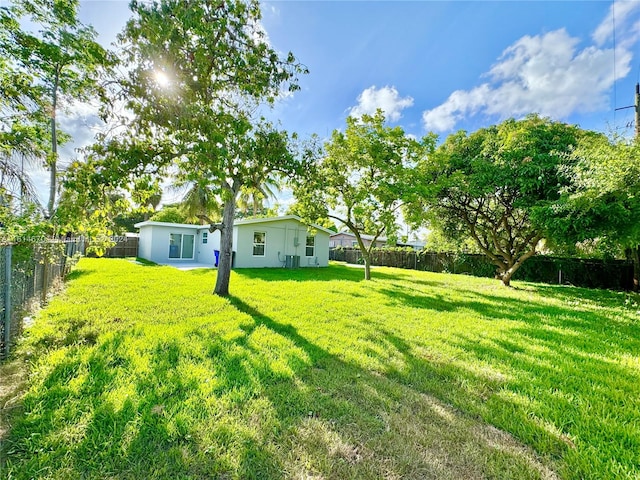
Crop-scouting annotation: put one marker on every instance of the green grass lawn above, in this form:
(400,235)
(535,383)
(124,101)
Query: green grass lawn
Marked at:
(139,372)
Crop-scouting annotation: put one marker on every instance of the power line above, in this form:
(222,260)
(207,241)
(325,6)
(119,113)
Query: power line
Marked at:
(615,76)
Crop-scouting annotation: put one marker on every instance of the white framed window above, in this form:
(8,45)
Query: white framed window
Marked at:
(181,246)
(259,244)
(310,246)
(205,237)
(354,243)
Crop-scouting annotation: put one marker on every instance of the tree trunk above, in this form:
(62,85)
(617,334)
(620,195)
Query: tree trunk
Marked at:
(226,249)
(255,206)
(366,257)
(505,274)
(635,256)
(505,277)
(54,149)
(367,267)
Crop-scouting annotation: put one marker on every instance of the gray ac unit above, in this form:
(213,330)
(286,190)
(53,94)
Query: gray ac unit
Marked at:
(291,261)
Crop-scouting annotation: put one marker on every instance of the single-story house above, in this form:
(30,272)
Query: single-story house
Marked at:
(258,242)
(167,243)
(415,244)
(348,239)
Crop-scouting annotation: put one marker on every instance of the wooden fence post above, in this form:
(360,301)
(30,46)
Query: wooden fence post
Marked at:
(7,299)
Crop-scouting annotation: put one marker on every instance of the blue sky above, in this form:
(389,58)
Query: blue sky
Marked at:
(443,66)
(410,57)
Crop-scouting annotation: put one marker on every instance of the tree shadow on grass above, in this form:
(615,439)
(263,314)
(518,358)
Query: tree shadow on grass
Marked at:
(590,328)
(383,428)
(95,416)
(606,298)
(256,401)
(143,262)
(572,385)
(559,376)
(570,313)
(567,405)
(78,272)
(321,274)
(416,299)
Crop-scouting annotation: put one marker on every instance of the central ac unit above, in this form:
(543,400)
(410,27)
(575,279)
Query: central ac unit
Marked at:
(291,261)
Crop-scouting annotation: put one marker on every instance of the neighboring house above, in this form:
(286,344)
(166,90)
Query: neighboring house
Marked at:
(348,239)
(415,244)
(259,242)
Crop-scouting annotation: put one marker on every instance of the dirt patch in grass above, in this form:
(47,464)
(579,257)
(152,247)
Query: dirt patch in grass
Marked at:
(13,374)
(363,425)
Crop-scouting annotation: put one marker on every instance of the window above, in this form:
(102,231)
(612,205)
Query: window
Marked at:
(181,246)
(354,243)
(259,243)
(310,246)
(205,237)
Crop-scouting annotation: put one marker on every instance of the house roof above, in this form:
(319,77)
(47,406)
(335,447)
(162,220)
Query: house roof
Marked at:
(166,224)
(364,237)
(249,221)
(415,244)
(244,221)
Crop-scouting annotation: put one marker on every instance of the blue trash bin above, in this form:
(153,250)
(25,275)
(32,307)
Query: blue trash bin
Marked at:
(217,254)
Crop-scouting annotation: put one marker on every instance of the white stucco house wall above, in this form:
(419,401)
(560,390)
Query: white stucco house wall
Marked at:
(260,242)
(267,242)
(167,243)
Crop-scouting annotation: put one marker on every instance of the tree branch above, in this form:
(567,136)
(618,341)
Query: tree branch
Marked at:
(212,225)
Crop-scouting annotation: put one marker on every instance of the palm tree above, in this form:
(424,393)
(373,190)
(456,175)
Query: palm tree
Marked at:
(253,195)
(153,201)
(200,200)
(21,150)
(15,183)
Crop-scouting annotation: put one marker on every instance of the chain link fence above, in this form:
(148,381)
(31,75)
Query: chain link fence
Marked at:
(28,275)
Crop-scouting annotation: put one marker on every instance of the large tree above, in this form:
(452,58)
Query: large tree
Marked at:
(601,204)
(59,63)
(363,179)
(487,185)
(197,70)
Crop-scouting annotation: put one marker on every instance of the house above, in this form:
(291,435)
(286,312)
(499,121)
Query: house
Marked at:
(167,243)
(417,245)
(348,239)
(273,242)
(258,242)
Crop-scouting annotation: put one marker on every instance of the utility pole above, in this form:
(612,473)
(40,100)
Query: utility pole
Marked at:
(634,253)
(635,106)
(636,250)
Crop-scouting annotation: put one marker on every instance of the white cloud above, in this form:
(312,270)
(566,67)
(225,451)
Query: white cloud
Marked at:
(459,104)
(386,98)
(546,74)
(272,9)
(82,122)
(620,12)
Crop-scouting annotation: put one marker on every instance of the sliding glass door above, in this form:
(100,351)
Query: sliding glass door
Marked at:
(181,246)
